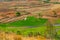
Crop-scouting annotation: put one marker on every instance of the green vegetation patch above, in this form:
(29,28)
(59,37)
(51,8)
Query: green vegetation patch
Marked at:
(24,31)
(30,21)
(57,21)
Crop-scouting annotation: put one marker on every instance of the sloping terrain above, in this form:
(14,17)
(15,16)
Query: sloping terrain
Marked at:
(10,22)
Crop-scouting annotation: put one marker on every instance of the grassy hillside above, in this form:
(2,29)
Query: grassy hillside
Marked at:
(31,24)
(30,21)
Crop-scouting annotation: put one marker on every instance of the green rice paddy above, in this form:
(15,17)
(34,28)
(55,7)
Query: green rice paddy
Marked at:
(30,21)
(31,24)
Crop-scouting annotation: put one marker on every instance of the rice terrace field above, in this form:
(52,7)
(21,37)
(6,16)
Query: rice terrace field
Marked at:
(25,27)
(29,19)
(30,27)
(30,23)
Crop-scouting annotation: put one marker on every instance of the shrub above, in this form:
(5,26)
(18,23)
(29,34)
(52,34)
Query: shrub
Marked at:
(18,13)
(18,32)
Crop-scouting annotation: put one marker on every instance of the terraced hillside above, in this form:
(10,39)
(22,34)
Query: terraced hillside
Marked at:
(29,20)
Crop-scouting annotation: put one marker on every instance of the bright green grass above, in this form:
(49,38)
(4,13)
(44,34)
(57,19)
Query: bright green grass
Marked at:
(58,27)
(30,21)
(23,30)
(34,30)
(26,30)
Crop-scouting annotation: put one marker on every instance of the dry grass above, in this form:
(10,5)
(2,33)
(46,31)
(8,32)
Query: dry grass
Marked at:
(10,36)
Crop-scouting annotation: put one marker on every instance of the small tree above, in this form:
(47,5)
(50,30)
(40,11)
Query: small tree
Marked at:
(51,31)
(18,14)
(18,32)
(39,15)
(55,14)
